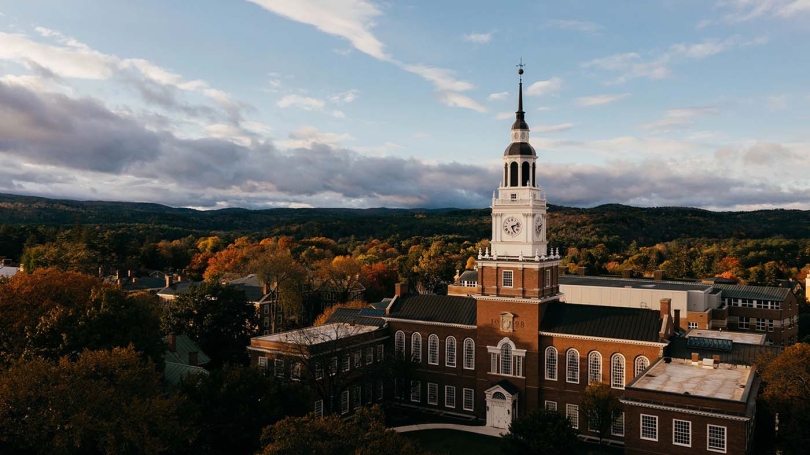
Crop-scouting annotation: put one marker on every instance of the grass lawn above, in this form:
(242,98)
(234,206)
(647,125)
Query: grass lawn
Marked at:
(452,442)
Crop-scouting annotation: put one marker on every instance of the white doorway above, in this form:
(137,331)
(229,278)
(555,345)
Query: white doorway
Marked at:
(501,406)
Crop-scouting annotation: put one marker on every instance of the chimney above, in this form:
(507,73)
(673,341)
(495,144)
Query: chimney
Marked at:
(265,289)
(658,275)
(400,289)
(193,358)
(666,307)
(129,273)
(627,273)
(695,358)
(172,342)
(168,280)
(677,319)
(716,359)
(581,271)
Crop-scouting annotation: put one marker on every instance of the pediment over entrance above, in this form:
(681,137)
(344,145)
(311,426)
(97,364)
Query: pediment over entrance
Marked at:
(505,389)
(502,405)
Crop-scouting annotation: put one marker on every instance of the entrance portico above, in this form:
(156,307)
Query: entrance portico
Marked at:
(502,404)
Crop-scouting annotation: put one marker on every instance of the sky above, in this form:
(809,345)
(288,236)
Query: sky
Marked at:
(363,103)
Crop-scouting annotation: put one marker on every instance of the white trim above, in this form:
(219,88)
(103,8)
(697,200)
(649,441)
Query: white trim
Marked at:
(725,438)
(533,300)
(441,324)
(673,433)
(685,411)
(641,427)
(614,340)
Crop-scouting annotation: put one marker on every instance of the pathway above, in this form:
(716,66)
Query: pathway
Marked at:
(488,431)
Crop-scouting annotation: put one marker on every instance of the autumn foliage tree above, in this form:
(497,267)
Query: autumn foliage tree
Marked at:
(787,391)
(102,402)
(540,432)
(601,407)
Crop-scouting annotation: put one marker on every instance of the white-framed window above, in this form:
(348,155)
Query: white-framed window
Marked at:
(369,355)
(594,367)
(356,397)
(506,359)
(450,352)
(469,397)
(416,347)
(266,309)
(380,390)
(617,428)
(716,438)
(617,371)
(262,363)
(649,427)
(318,407)
(318,370)
(367,391)
(278,368)
(743,324)
(572,412)
(344,402)
(761,324)
(333,365)
(449,396)
(770,325)
(399,342)
(507,278)
(691,325)
(433,349)
(682,432)
(551,405)
(381,350)
(551,363)
(297,371)
(548,278)
(433,393)
(641,364)
(519,366)
(469,354)
(358,359)
(346,363)
(266,321)
(416,391)
(572,366)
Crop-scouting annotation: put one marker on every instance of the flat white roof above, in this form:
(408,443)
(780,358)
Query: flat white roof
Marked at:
(735,337)
(318,334)
(8,271)
(727,382)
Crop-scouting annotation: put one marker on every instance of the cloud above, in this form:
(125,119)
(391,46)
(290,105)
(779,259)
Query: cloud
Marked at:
(553,128)
(307,136)
(498,96)
(600,100)
(542,88)
(747,10)
(777,103)
(455,99)
(577,26)
(301,102)
(345,97)
(504,115)
(478,38)
(352,20)
(675,119)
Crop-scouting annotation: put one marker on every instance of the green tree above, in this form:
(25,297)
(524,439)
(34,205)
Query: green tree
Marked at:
(104,402)
(232,405)
(601,408)
(787,391)
(218,317)
(364,434)
(540,432)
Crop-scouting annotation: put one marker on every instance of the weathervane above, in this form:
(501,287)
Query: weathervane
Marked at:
(520,68)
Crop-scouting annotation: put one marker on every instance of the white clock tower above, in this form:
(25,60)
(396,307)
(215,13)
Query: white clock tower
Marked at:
(519,208)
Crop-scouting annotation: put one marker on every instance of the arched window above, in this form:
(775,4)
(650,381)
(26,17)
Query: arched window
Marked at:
(641,364)
(534,171)
(399,343)
(450,352)
(513,174)
(506,359)
(505,174)
(498,396)
(594,367)
(416,347)
(525,177)
(617,371)
(433,349)
(551,363)
(572,366)
(469,354)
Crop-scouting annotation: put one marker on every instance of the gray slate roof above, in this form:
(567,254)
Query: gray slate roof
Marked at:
(602,321)
(469,275)
(174,373)
(754,292)
(577,280)
(184,345)
(250,285)
(357,316)
(449,309)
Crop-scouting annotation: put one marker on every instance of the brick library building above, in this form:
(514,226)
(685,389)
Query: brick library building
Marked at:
(514,336)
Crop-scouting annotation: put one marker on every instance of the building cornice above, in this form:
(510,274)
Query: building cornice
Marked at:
(497,298)
(441,324)
(685,410)
(612,340)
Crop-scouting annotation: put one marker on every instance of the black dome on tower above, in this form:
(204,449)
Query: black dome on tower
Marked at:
(519,149)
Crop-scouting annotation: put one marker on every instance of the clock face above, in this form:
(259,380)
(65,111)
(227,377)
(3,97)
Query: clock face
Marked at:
(538,225)
(512,226)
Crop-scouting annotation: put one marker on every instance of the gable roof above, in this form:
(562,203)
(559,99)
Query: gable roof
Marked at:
(602,321)
(184,345)
(754,292)
(174,373)
(365,316)
(448,309)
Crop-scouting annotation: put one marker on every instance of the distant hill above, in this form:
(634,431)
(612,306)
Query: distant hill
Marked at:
(607,223)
